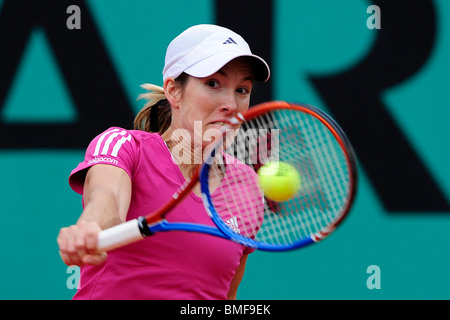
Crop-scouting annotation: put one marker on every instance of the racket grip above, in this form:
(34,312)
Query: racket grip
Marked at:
(122,234)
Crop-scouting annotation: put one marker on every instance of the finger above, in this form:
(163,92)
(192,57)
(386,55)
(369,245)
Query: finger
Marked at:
(79,243)
(95,259)
(92,238)
(66,248)
(70,259)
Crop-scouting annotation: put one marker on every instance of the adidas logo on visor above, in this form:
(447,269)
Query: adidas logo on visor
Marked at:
(229,41)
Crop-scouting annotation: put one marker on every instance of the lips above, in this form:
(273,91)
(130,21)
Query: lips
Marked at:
(218,123)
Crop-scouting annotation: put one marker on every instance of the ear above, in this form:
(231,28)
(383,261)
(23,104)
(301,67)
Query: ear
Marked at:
(172,92)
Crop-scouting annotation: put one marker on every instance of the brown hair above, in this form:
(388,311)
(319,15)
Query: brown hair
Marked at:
(156,115)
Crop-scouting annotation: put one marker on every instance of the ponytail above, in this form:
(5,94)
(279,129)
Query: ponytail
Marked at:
(156,115)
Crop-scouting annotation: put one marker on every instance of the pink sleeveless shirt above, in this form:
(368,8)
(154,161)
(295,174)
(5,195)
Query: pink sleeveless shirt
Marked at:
(173,265)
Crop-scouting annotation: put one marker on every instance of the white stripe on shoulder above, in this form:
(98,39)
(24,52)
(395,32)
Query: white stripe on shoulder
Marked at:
(110,136)
(99,142)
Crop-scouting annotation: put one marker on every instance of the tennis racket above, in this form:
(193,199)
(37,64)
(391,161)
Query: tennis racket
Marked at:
(300,135)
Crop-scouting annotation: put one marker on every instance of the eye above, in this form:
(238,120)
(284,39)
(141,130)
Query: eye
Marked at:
(243,90)
(212,84)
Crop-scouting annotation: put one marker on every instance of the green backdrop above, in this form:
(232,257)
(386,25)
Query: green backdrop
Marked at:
(411,249)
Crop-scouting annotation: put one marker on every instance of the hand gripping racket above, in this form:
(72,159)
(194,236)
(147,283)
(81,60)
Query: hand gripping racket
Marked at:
(299,135)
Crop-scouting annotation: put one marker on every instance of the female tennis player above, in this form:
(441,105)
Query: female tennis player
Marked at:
(207,78)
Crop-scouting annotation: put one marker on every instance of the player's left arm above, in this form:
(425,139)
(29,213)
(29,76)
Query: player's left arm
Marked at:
(237,278)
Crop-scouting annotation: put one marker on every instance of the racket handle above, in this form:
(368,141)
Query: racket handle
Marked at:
(122,234)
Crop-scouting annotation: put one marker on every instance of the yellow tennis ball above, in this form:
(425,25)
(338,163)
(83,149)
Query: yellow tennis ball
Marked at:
(280,181)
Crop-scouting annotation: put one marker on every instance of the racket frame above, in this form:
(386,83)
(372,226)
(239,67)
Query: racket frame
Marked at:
(344,143)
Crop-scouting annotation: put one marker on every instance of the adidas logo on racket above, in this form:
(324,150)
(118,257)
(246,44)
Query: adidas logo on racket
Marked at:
(233,225)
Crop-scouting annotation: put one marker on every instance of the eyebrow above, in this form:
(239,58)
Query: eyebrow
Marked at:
(248,78)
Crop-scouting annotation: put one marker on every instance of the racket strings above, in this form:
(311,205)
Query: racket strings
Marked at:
(301,140)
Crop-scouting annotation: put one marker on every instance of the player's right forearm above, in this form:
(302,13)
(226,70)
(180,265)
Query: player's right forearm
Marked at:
(102,207)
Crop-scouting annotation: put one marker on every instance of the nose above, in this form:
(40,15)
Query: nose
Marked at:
(229,105)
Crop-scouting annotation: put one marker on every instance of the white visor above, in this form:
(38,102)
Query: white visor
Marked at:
(202,50)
